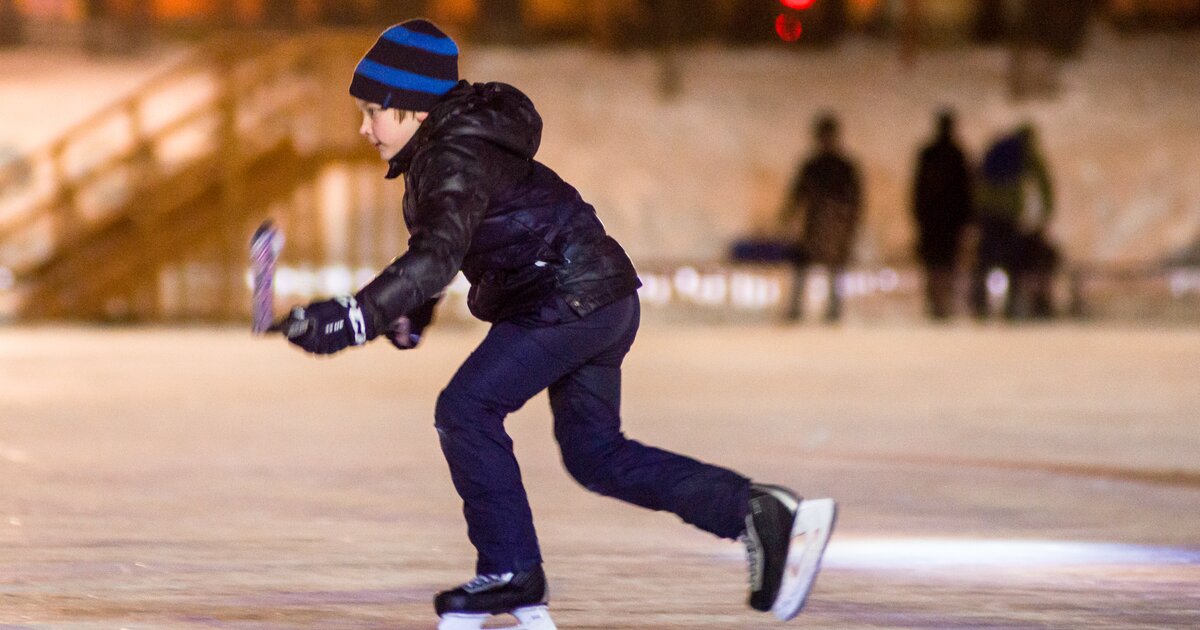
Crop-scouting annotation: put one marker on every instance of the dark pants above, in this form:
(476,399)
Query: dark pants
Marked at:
(580,362)
(1028,259)
(938,251)
(999,242)
(833,303)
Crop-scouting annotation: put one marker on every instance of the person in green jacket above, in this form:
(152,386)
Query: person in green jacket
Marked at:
(1014,203)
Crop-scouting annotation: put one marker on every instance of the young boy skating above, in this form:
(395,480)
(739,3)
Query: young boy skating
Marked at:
(562,298)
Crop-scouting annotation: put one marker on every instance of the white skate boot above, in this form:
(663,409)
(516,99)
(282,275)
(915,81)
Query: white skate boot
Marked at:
(785,538)
(522,595)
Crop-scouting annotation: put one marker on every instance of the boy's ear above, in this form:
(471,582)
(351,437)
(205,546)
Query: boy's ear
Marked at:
(421,116)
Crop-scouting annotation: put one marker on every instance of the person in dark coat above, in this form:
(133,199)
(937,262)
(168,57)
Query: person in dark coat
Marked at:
(561,296)
(826,197)
(941,208)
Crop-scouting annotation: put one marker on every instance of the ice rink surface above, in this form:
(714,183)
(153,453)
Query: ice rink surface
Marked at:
(989,477)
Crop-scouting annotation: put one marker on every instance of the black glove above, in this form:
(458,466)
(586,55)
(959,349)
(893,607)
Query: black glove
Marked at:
(327,327)
(406,332)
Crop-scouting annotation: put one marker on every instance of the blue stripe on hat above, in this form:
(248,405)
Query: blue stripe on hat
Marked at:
(403,79)
(431,43)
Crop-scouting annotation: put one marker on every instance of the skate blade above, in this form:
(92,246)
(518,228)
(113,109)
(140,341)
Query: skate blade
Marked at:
(528,618)
(810,533)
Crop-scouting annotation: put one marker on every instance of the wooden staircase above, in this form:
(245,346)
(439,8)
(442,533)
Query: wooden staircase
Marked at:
(179,172)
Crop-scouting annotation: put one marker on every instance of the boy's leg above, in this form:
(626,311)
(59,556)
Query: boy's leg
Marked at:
(495,380)
(586,403)
(509,367)
(587,424)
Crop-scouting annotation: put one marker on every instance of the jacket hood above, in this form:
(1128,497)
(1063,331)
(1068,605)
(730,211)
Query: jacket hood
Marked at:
(496,112)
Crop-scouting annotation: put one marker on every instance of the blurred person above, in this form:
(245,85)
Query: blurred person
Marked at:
(561,296)
(941,207)
(1014,203)
(826,197)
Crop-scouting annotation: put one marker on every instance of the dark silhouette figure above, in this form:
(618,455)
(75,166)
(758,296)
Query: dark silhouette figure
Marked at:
(942,210)
(827,193)
(1014,204)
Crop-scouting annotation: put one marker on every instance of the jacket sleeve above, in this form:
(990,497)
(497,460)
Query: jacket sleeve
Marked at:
(452,186)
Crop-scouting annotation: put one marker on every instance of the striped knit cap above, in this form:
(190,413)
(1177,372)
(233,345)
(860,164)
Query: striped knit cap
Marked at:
(410,67)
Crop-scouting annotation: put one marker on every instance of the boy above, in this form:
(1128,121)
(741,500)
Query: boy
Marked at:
(562,298)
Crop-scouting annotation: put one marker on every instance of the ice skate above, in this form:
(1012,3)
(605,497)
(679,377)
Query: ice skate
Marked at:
(785,538)
(522,595)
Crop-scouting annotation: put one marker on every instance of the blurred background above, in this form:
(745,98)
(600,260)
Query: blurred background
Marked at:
(141,141)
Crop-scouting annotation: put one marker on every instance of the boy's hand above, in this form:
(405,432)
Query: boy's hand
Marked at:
(402,336)
(326,327)
(406,332)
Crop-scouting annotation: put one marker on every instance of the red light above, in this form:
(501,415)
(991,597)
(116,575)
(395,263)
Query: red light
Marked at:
(798,5)
(788,28)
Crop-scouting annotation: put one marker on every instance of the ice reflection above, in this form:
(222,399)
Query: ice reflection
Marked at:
(918,553)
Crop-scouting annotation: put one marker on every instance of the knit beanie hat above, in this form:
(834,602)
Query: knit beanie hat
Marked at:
(410,67)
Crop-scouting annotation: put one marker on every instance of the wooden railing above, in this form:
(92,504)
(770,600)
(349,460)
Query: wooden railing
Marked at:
(220,134)
(83,181)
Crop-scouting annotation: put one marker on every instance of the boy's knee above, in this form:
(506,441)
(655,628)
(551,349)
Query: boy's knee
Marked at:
(453,408)
(589,474)
(596,470)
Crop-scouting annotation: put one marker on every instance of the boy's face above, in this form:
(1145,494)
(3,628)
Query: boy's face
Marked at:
(385,129)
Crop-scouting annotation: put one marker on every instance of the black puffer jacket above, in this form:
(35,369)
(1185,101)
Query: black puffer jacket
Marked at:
(476,200)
